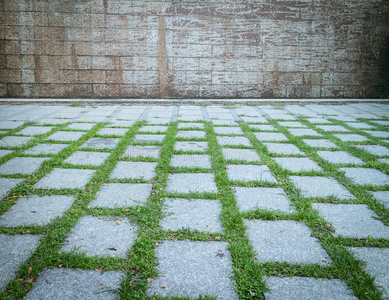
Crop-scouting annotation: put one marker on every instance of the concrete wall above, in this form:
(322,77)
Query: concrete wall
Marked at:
(194,49)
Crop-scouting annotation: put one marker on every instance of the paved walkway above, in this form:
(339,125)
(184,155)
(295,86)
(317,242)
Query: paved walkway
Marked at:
(236,202)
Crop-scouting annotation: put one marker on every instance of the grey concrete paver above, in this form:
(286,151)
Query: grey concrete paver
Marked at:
(270,136)
(87,158)
(297,164)
(10,124)
(191,146)
(190,134)
(377,265)
(360,125)
(46,149)
(353,220)
(154,129)
(339,157)
(375,149)
(101,236)
(191,182)
(307,288)
(320,143)
(191,161)
(34,130)
(14,141)
(81,126)
(250,173)
(66,284)
(285,241)
(377,133)
(224,123)
(263,127)
(143,151)
(114,195)
(303,132)
(193,269)
(292,124)
(134,170)
(65,178)
(317,186)
(14,251)
(333,128)
(226,141)
(22,165)
(112,131)
(366,176)
(35,210)
(228,130)
(100,143)
(382,196)
(149,138)
(7,184)
(279,148)
(351,137)
(65,136)
(194,214)
(249,155)
(190,125)
(5,152)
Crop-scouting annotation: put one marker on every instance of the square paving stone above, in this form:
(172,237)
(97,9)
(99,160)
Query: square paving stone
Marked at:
(292,124)
(153,129)
(248,155)
(382,196)
(360,125)
(188,182)
(117,123)
(285,241)
(351,137)
(191,146)
(263,127)
(10,124)
(5,152)
(143,151)
(87,158)
(377,265)
(35,210)
(270,136)
(192,134)
(101,143)
(149,138)
(379,134)
(297,164)
(191,161)
(81,126)
(226,141)
(319,121)
(303,132)
(134,170)
(65,136)
(339,157)
(35,130)
(112,131)
(22,165)
(320,143)
(190,125)
(228,130)
(385,123)
(21,247)
(193,269)
(333,128)
(279,148)
(114,195)
(374,149)
(316,186)
(254,119)
(384,160)
(46,149)
(195,214)
(250,173)
(7,184)
(65,178)
(14,141)
(101,236)
(366,176)
(224,122)
(306,288)
(353,220)
(76,284)
(264,198)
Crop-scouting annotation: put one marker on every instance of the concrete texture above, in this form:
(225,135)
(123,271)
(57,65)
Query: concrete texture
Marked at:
(114,195)
(333,128)
(375,149)
(101,236)
(279,148)
(35,210)
(46,149)
(87,158)
(34,130)
(191,182)
(270,136)
(190,125)
(297,164)
(366,176)
(191,161)
(66,284)
(112,131)
(248,155)
(306,288)
(22,165)
(376,264)
(378,134)
(5,152)
(303,132)
(315,186)
(263,198)
(190,146)
(320,143)
(193,269)
(192,134)
(134,170)
(149,138)
(194,214)
(339,157)
(285,241)
(14,141)
(155,129)
(382,196)
(65,178)
(7,184)
(292,124)
(353,220)
(143,151)
(360,125)
(100,143)
(228,130)
(250,173)
(65,136)
(351,137)
(263,127)
(80,126)
(14,251)
(226,141)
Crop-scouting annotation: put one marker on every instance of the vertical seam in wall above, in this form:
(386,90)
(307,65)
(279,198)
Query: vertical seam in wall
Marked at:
(162,60)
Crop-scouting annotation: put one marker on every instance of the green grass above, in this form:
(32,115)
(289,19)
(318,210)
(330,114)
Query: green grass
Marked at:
(140,264)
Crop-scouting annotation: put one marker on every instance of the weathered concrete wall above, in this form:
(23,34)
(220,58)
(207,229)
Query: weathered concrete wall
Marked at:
(186,49)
